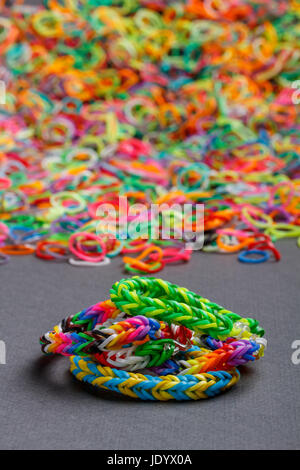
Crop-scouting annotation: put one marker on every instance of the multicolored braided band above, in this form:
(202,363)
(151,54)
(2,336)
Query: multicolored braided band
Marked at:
(186,346)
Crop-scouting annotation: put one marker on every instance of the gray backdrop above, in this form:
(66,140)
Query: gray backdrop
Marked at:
(43,407)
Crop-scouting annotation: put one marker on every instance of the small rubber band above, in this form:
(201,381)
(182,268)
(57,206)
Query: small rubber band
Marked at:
(244,256)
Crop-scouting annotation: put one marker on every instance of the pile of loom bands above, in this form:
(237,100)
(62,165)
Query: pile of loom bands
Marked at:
(184,102)
(154,340)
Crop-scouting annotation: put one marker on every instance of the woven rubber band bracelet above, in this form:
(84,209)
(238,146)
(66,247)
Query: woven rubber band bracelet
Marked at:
(108,346)
(162,300)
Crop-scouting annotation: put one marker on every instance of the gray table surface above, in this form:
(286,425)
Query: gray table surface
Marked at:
(43,407)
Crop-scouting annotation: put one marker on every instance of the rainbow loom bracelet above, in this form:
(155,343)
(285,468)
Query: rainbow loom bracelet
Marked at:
(187,346)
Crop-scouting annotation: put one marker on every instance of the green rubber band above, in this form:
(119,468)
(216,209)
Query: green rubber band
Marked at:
(162,300)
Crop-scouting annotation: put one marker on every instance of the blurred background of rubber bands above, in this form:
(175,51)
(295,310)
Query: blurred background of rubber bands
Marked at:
(186,102)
